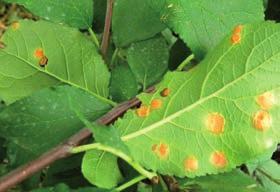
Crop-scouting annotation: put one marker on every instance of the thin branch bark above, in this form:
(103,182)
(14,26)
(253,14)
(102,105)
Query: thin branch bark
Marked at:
(107,27)
(63,150)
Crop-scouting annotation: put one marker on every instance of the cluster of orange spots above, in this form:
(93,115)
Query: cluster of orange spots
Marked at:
(266,100)
(191,164)
(15,25)
(215,123)
(262,120)
(236,35)
(161,150)
(143,111)
(156,104)
(218,159)
(165,92)
(39,54)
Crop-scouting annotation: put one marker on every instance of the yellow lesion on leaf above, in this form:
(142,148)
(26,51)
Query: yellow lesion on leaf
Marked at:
(236,35)
(165,92)
(156,104)
(266,100)
(143,111)
(218,159)
(191,163)
(215,123)
(161,150)
(39,53)
(15,25)
(262,120)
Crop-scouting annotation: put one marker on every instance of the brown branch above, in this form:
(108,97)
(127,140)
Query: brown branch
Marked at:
(107,27)
(63,150)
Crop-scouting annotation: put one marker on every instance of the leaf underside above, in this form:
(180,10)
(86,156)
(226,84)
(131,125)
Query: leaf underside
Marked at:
(178,139)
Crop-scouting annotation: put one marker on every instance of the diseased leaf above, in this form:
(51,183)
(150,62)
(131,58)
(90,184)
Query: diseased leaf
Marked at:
(61,187)
(76,13)
(68,55)
(148,60)
(269,175)
(134,20)
(202,24)
(45,119)
(214,117)
(123,84)
(101,169)
(227,182)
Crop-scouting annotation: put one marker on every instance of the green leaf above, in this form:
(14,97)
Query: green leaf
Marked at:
(269,175)
(227,182)
(134,20)
(72,59)
(148,60)
(123,84)
(202,24)
(76,13)
(100,168)
(64,188)
(43,120)
(208,120)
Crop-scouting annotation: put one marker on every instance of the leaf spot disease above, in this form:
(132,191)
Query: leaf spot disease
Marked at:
(165,92)
(15,25)
(161,150)
(156,104)
(143,111)
(43,61)
(39,53)
(262,120)
(218,159)
(215,123)
(236,35)
(191,164)
(266,100)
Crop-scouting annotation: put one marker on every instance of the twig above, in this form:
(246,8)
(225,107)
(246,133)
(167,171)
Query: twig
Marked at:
(63,150)
(107,27)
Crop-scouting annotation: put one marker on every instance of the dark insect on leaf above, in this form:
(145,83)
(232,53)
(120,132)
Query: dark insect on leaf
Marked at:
(43,61)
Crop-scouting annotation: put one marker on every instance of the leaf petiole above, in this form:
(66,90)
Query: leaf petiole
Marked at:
(185,62)
(94,38)
(130,183)
(128,159)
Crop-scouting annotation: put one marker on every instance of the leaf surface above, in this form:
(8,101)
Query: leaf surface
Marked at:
(76,13)
(202,24)
(134,20)
(219,115)
(148,60)
(71,59)
(229,182)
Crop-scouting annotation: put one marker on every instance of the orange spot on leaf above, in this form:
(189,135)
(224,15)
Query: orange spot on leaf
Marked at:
(15,25)
(191,164)
(218,159)
(143,111)
(156,104)
(162,150)
(262,120)
(215,123)
(39,53)
(165,92)
(266,100)
(236,35)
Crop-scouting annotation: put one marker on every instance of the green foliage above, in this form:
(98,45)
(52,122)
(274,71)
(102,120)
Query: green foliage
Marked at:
(134,20)
(148,60)
(227,182)
(201,126)
(202,24)
(76,13)
(25,39)
(40,116)
(180,126)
